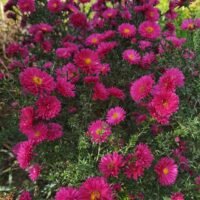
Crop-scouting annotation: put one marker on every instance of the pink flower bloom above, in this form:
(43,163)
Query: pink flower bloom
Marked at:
(165,103)
(67,193)
(78,20)
(65,88)
(105,47)
(48,107)
(144,155)
(131,56)
(127,30)
(54,5)
(26,119)
(36,81)
(38,133)
(95,188)
(100,92)
(24,154)
(149,30)
(110,13)
(25,196)
(91,79)
(115,115)
(188,24)
(111,164)
(99,131)
(34,172)
(177,196)
(87,60)
(143,44)
(138,161)
(55,131)
(152,14)
(93,39)
(141,87)
(168,82)
(26,5)
(116,92)
(167,171)
(176,42)
(109,34)
(63,53)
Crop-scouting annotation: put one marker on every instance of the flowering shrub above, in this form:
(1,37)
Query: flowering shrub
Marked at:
(102,83)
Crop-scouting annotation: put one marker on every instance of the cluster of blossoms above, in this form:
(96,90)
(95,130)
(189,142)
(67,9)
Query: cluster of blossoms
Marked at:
(86,59)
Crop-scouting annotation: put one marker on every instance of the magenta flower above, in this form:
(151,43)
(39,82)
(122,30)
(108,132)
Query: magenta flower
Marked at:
(34,172)
(149,30)
(127,30)
(36,81)
(95,188)
(25,195)
(99,131)
(115,115)
(48,107)
(141,87)
(167,171)
(177,196)
(131,56)
(55,131)
(111,164)
(26,5)
(67,193)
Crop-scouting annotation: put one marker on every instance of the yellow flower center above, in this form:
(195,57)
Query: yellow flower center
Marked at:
(165,103)
(88,61)
(94,40)
(55,5)
(131,56)
(37,133)
(149,29)
(126,30)
(165,171)
(37,80)
(95,195)
(99,131)
(115,115)
(190,26)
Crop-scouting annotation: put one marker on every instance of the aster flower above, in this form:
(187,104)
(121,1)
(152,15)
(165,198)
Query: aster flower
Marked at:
(48,107)
(141,87)
(67,193)
(188,24)
(93,39)
(55,131)
(54,5)
(105,47)
(26,119)
(115,115)
(177,196)
(78,20)
(111,164)
(152,14)
(167,171)
(138,161)
(24,154)
(87,60)
(176,42)
(144,155)
(165,103)
(34,172)
(25,195)
(99,131)
(95,188)
(65,88)
(127,30)
(149,30)
(110,13)
(131,56)
(63,53)
(100,92)
(116,92)
(143,44)
(38,132)
(26,5)
(91,79)
(36,81)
